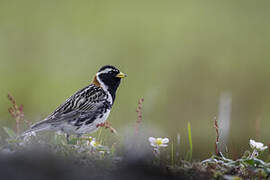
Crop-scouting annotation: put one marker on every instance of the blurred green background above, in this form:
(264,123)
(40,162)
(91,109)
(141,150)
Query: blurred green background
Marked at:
(179,55)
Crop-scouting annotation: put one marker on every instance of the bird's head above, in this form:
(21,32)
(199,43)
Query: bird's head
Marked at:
(108,77)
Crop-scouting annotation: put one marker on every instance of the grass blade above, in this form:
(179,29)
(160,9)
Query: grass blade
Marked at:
(10,132)
(190,141)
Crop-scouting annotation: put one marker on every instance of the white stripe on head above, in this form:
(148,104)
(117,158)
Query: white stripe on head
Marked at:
(105,70)
(103,86)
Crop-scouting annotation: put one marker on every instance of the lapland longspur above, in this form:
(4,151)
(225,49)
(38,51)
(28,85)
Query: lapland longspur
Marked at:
(89,107)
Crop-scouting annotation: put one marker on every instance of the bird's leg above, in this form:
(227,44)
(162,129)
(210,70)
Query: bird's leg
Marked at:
(68,141)
(78,140)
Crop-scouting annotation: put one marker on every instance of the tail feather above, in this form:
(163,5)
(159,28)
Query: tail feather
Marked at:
(39,126)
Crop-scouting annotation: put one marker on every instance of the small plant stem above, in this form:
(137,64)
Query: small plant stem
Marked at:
(18,125)
(157,154)
(254,154)
(217,136)
(190,141)
(99,134)
(172,155)
(159,157)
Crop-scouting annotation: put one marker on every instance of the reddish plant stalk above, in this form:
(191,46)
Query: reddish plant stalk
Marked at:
(107,125)
(16,112)
(139,116)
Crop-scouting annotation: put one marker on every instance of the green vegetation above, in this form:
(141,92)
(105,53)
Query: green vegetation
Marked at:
(88,151)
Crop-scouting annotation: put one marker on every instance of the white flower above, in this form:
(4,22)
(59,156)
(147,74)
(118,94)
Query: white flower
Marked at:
(257,145)
(94,144)
(158,142)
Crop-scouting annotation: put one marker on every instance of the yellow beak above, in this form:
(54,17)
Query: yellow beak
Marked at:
(121,75)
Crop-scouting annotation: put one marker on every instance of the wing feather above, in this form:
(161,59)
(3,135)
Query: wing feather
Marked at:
(83,104)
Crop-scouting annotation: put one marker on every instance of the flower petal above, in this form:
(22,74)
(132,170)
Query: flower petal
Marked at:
(153,144)
(163,145)
(263,148)
(152,139)
(252,143)
(259,144)
(165,140)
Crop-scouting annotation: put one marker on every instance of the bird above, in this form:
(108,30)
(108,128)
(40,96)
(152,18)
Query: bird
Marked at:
(86,110)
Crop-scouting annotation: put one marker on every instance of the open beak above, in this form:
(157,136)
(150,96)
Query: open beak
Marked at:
(121,75)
